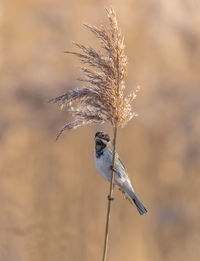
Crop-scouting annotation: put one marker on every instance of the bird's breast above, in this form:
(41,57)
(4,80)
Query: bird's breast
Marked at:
(103,164)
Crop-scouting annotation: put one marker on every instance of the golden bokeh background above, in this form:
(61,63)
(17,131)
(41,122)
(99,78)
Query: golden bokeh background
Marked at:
(52,200)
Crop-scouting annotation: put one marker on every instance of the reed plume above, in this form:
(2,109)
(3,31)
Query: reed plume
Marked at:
(103,97)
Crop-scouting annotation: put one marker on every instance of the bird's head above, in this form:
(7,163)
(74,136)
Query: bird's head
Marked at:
(101,139)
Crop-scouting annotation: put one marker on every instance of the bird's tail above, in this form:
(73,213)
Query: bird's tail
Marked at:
(140,207)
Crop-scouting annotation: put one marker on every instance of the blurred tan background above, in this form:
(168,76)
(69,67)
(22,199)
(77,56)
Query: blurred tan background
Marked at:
(52,200)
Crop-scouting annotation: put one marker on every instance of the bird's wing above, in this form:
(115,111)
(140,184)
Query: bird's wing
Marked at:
(119,166)
(121,163)
(110,148)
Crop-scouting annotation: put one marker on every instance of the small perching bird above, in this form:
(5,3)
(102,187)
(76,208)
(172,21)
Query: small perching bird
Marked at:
(103,155)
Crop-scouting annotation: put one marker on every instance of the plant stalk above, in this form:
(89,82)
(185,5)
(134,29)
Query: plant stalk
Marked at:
(110,197)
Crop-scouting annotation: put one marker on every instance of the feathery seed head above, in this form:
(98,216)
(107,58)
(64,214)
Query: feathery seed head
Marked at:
(103,98)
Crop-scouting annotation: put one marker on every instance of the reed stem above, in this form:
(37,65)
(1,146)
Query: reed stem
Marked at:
(110,196)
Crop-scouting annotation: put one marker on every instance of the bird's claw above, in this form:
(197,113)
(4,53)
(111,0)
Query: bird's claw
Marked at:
(113,169)
(110,198)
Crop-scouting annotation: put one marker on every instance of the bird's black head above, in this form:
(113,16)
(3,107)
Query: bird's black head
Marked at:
(100,135)
(101,141)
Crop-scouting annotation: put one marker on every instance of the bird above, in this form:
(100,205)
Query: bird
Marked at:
(103,155)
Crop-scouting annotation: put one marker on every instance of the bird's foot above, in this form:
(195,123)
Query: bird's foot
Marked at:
(110,198)
(113,169)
